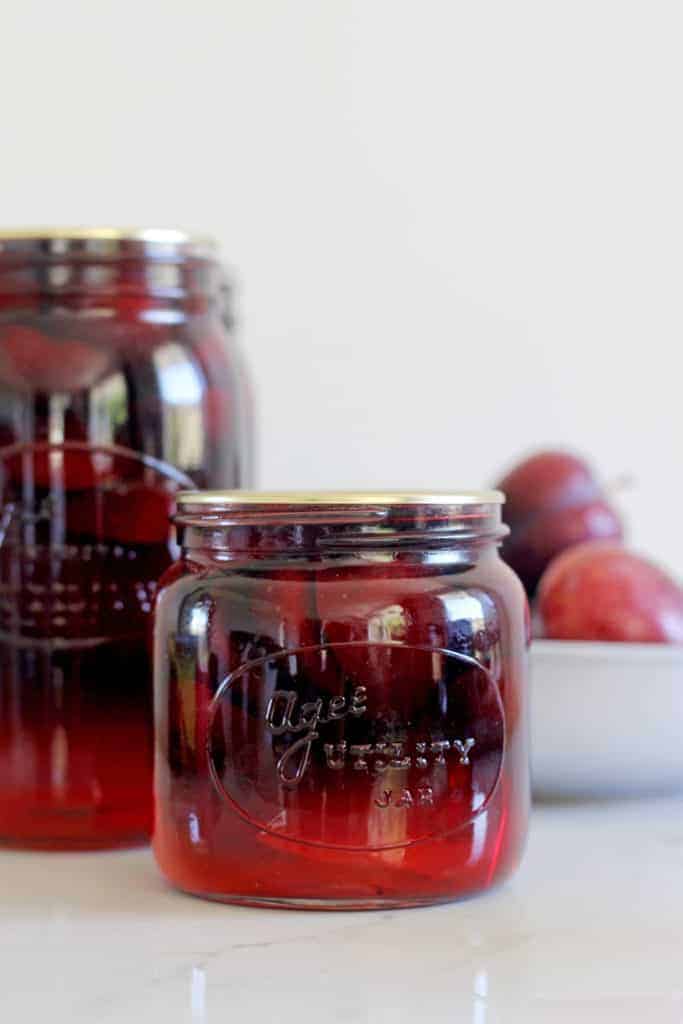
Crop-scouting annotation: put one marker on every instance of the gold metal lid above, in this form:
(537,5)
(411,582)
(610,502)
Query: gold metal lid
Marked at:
(327,499)
(103,242)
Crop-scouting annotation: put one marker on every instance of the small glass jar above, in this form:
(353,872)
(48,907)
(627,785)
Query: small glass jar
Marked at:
(119,384)
(340,700)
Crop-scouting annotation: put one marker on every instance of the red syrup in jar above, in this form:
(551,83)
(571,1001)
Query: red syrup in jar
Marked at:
(341,706)
(77,583)
(109,345)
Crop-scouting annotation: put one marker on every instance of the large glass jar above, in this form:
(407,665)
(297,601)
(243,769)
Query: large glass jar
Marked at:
(340,700)
(118,385)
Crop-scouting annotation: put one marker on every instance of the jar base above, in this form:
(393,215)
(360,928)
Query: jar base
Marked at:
(81,845)
(30,825)
(294,903)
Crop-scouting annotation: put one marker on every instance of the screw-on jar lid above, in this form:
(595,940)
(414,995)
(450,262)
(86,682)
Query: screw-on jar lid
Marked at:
(476,513)
(229,500)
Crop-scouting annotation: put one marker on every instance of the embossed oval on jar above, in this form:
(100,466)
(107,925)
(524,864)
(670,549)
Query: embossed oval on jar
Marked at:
(358,745)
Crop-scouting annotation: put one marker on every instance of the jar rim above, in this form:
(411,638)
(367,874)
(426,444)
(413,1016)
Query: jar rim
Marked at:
(103,242)
(255,500)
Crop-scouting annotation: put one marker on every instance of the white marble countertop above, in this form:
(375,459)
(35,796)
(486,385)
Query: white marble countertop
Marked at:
(591,929)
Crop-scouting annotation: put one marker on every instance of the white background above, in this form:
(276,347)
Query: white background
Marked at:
(457,227)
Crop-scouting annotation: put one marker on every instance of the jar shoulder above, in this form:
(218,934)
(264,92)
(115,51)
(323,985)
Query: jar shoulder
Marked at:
(352,589)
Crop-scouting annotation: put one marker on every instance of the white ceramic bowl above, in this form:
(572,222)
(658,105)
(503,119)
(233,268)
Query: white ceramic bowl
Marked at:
(606,718)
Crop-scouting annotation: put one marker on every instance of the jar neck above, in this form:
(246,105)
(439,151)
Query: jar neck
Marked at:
(240,543)
(99,285)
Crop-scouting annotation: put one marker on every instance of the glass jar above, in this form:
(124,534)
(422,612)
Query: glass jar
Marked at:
(119,384)
(340,700)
